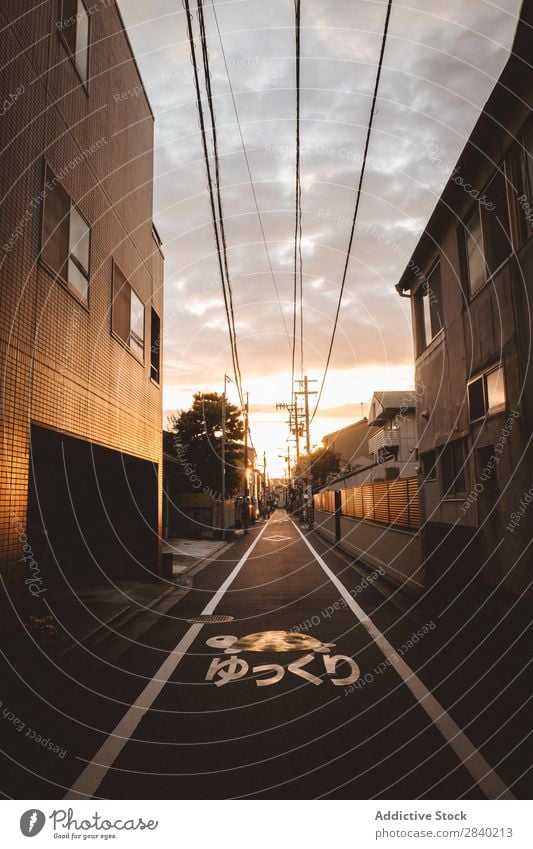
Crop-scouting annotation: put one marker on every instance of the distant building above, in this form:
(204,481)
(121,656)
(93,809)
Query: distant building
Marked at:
(471,289)
(351,443)
(388,436)
(393,444)
(81,288)
(373,511)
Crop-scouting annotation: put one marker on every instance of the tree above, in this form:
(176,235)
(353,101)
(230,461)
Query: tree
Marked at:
(324,462)
(200,451)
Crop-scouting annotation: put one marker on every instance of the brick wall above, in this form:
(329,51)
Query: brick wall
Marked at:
(60,364)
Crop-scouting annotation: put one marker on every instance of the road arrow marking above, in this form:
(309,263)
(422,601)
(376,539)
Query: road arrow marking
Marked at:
(277,538)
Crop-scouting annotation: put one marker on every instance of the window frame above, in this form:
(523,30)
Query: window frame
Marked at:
(422,342)
(155,349)
(452,492)
(49,174)
(502,170)
(66,45)
(466,233)
(520,183)
(133,335)
(127,344)
(85,273)
(487,410)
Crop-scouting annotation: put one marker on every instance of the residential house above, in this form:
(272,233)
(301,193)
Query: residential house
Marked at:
(471,289)
(351,444)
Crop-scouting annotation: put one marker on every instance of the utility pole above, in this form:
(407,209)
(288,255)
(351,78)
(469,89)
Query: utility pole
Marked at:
(265,511)
(223,511)
(294,425)
(297,431)
(246,516)
(306,393)
(223,456)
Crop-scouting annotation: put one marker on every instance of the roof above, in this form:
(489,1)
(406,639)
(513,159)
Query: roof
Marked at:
(385,405)
(396,399)
(485,142)
(333,433)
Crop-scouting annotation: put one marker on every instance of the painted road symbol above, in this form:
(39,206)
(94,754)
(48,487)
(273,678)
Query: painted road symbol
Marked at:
(226,669)
(269,641)
(276,538)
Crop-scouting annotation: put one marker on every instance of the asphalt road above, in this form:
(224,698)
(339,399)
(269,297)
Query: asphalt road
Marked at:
(317,687)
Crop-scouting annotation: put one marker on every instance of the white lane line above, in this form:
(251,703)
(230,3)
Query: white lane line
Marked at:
(471,758)
(94,773)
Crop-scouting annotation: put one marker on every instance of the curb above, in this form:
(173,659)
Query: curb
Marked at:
(131,615)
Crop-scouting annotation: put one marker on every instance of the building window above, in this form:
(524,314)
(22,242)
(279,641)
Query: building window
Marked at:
(453,469)
(522,183)
(487,233)
(429,308)
(486,394)
(66,239)
(155,346)
(127,314)
(474,251)
(429,466)
(73,25)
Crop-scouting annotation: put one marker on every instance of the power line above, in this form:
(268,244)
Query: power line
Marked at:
(207,79)
(357,201)
(298,272)
(215,220)
(252,186)
(299,184)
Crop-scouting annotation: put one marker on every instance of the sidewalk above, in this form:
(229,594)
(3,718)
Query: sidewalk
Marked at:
(188,553)
(87,613)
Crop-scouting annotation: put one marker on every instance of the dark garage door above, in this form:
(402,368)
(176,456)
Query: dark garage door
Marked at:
(98,506)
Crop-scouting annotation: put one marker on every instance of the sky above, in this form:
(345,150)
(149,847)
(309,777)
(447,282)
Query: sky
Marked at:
(441,62)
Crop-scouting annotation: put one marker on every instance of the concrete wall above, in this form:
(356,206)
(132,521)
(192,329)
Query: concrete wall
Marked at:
(325,524)
(199,515)
(398,552)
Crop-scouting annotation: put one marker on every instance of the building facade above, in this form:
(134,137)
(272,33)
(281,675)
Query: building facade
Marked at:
(394,442)
(470,284)
(351,444)
(81,292)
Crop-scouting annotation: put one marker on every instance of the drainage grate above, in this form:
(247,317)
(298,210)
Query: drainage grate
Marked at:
(210,619)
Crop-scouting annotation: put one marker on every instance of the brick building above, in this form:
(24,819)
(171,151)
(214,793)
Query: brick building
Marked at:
(470,281)
(81,289)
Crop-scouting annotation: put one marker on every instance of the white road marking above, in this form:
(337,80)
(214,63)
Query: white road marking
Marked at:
(471,758)
(277,538)
(94,773)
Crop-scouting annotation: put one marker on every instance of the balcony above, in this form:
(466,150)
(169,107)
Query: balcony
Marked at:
(384,438)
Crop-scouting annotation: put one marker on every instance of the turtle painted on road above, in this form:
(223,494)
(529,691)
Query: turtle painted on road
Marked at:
(263,641)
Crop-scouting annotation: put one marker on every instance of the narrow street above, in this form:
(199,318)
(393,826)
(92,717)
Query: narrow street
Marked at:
(328,705)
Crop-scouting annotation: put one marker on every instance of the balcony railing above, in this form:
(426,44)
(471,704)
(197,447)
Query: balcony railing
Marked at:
(383,439)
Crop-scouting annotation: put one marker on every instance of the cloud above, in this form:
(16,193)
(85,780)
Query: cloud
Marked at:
(440,65)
